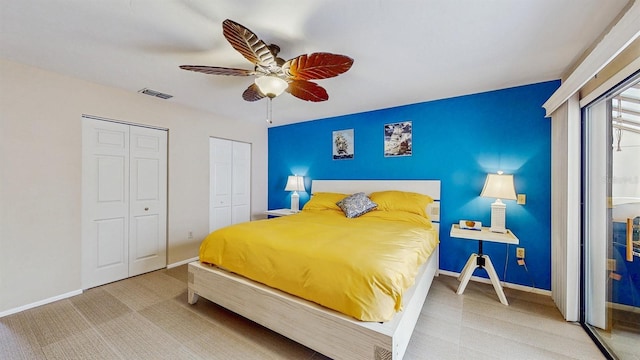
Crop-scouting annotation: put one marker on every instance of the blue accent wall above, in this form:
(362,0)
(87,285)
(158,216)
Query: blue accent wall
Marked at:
(457,140)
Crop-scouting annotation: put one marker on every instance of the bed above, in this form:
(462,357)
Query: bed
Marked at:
(327,331)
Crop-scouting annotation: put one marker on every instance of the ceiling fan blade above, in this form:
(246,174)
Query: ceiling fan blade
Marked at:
(307,90)
(317,66)
(248,44)
(252,93)
(216,70)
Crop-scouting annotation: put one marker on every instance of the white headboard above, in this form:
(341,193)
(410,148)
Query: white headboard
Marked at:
(427,187)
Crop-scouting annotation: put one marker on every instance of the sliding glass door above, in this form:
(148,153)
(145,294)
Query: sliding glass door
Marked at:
(611,220)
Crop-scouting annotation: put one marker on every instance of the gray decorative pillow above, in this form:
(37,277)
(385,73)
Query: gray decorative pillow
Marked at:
(356,205)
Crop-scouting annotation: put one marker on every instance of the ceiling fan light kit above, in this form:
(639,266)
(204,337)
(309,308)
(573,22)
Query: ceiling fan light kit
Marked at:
(271,85)
(274,75)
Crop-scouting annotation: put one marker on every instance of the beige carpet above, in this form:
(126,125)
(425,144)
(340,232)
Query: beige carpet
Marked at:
(147,317)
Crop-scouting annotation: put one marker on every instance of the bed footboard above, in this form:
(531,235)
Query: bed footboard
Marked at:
(324,330)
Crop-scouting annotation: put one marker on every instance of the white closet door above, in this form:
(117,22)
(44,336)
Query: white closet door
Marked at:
(220,178)
(124,201)
(105,194)
(147,200)
(230,182)
(241,180)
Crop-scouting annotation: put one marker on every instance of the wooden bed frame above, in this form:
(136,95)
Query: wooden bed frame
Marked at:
(326,331)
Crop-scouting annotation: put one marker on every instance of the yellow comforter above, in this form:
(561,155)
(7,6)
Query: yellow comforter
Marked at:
(360,267)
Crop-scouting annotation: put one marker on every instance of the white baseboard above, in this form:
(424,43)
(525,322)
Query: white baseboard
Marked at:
(70,294)
(40,303)
(504,284)
(176,264)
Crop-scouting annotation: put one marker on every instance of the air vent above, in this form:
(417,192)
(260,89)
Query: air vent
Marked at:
(155,93)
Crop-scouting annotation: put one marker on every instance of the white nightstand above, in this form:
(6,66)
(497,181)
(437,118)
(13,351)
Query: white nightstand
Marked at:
(480,260)
(280,212)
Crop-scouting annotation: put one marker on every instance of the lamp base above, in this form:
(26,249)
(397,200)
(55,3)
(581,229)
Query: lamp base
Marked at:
(295,202)
(498,215)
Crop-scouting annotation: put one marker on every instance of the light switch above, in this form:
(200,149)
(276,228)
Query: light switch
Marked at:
(522,199)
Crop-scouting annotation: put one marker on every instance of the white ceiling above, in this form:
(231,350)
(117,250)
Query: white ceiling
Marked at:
(404,51)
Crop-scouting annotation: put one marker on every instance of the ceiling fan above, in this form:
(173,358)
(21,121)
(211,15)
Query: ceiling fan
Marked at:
(273,74)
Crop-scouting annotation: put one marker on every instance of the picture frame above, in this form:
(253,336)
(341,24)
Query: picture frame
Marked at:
(343,144)
(398,139)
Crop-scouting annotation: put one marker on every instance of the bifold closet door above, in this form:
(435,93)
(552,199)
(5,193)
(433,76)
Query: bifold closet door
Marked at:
(241,188)
(230,182)
(147,200)
(124,187)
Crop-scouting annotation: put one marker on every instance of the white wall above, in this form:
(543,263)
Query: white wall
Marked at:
(40,174)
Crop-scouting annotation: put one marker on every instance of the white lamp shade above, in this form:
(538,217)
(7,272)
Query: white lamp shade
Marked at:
(499,186)
(295,183)
(271,85)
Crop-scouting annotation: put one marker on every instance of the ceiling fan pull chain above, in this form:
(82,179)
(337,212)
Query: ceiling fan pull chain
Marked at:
(269,111)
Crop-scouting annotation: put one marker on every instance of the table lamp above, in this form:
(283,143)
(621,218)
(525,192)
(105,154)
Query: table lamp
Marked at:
(499,186)
(295,183)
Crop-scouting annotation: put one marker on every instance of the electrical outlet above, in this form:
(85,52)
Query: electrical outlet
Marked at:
(520,253)
(190,236)
(522,199)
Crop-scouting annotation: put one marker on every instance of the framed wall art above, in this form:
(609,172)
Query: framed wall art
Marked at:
(343,145)
(397,139)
